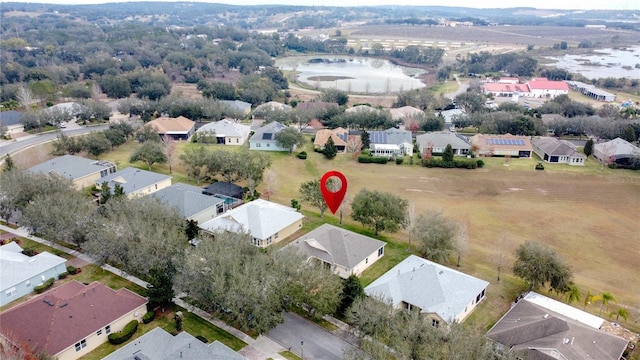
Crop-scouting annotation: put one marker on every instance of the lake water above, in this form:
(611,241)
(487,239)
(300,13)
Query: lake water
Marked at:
(352,74)
(605,63)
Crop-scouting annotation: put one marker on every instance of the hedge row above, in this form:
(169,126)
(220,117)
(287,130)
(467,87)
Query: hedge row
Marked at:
(124,335)
(42,288)
(148,317)
(366,159)
(456,163)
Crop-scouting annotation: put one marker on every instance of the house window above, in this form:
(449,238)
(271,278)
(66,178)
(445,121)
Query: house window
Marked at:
(81,345)
(366,261)
(27,283)
(11,292)
(99,332)
(258,145)
(107,329)
(380,251)
(237,141)
(275,236)
(156,186)
(435,323)
(268,145)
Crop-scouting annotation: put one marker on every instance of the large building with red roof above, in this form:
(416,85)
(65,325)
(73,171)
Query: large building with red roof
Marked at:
(72,319)
(537,87)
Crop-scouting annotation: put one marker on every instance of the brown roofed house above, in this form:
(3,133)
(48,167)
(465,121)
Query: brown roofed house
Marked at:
(73,319)
(502,145)
(179,128)
(339,136)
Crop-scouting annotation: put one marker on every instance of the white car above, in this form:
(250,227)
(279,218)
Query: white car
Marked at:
(62,125)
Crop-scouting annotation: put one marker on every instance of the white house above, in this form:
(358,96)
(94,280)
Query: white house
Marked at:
(437,141)
(391,142)
(265,221)
(441,294)
(227,132)
(264,137)
(618,149)
(345,252)
(552,150)
(135,182)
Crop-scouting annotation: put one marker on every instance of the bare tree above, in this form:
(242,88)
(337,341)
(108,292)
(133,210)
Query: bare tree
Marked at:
(270,183)
(501,254)
(411,221)
(25,96)
(462,240)
(169,149)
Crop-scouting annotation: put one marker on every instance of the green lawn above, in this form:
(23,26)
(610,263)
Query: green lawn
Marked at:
(91,273)
(289,355)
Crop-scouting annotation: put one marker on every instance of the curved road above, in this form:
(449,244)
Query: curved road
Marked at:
(32,140)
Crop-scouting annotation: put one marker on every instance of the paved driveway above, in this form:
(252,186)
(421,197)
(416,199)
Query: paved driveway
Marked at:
(318,343)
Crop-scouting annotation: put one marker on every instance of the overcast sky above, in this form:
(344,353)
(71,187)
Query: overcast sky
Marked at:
(540,4)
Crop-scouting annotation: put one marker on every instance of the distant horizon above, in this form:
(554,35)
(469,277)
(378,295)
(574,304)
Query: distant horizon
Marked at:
(579,5)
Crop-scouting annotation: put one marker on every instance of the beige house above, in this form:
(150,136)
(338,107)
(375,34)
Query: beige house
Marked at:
(73,319)
(267,222)
(441,294)
(345,252)
(81,171)
(135,182)
(179,128)
(514,146)
(340,136)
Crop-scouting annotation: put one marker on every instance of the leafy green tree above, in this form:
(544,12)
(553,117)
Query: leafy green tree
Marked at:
(604,298)
(447,156)
(295,204)
(573,293)
(160,286)
(335,96)
(629,134)
(539,266)
(434,235)
(96,143)
(310,192)
(195,160)
(192,230)
(351,290)
(105,192)
(620,313)
(118,192)
(150,153)
(115,136)
(471,101)
(289,138)
(588,147)
(330,150)
(364,138)
(381,211)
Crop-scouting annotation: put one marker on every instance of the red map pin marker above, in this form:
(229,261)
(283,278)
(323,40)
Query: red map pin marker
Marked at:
(332,197)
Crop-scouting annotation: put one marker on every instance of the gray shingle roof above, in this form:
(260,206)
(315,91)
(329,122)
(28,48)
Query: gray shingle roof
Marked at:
(390,136)
(440,139)
(430,286)
(189,200)
(158,344)
(268,132)
(541,332)
(132,179)
(555,147)
(226,128)
(16,267)
(71,167)
(618,146)
(337,246)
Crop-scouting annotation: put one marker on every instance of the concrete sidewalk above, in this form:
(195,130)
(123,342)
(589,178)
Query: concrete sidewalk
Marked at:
(257,349)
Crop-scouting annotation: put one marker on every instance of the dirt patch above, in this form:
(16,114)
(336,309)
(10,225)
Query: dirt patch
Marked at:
(76,262)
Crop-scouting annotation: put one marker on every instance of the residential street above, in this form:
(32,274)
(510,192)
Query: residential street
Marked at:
(7,147)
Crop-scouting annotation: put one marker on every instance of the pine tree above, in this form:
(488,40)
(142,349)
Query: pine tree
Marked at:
(588,148)
(330,150)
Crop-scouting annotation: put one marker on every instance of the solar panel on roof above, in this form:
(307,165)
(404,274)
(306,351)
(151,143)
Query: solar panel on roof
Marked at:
(266,136)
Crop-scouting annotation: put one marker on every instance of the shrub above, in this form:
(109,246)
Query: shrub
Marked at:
(302,155)
(366,159)
(63,275)
(30,252)
(399,160)
(72,270)
(539,166)
(456,163)
(125,334)
(202,338)
(148,317)
(480,163)
(42,288)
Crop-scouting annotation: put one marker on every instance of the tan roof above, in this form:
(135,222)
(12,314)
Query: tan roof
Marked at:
(166,125)
(67,314)
(486,142)
(322,136)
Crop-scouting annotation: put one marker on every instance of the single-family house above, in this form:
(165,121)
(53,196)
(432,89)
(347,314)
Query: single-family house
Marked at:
(441,294)
(556,151)
(238,106)
(391,142)
(505,89)
(264,138)
(591,91)
(19,273)
(224,190)
(179,128)
(135,182)
(343,251)
(72,319)
(340,137)
(158,344)
(81,171)
(502,145)
(265,221)
(619,150)
(437,141)
(272,106)
(405,112)
(360,109)
(541,87)
(191,203)
(226,132)
(12,120)
(538,327)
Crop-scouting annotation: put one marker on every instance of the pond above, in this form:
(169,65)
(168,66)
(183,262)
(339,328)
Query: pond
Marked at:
(352,74)
(603,63)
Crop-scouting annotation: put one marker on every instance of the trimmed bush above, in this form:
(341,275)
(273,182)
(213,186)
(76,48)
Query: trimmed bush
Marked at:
(46,285)
(480,163)
(125,334)
(72,270)
(30,252)
(302,155)
(399,161)
(148,317)
(367,159)
(202,338)
(63,275)
(539,166)
(456,163)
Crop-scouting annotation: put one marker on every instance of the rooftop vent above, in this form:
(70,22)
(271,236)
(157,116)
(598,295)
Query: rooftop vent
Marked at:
(64,304)
(48,302)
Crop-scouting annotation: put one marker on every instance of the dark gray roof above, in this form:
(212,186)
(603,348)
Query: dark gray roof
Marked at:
(189,200)
(268,132)
(158,344)
(71,167)
(11,117)
(224,188)
(390,136)
(543,333)
(335,245)
(555,147)
(132,179)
